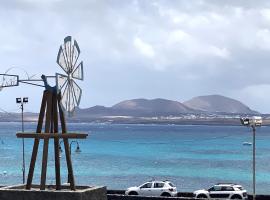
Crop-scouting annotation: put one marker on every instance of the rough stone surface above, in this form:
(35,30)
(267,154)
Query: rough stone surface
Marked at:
(81,193)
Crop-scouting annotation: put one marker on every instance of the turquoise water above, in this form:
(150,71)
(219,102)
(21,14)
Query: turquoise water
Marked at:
(119,156)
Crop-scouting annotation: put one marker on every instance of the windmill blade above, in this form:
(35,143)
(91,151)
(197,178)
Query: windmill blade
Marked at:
(64,97)
(61,81)
(61,59)
(68,53)
(78,72)
(75,54)
(72,101)
(68,100)
(77,92)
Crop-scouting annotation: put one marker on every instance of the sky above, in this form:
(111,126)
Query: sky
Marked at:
(141,49)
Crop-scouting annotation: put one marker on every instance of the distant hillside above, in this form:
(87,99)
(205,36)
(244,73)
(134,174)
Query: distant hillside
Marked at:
(218,103)
(164,107)
(154,107)
(137,107)
(212,109)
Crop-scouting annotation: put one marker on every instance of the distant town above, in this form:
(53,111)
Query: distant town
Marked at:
(208,110)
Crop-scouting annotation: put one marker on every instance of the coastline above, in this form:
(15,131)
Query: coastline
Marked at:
(148,121)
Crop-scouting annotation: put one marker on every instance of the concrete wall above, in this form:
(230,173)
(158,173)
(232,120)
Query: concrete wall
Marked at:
(82,193)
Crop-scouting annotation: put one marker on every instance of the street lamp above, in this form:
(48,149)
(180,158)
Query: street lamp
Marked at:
(78,150)
(22,101)
(253,123)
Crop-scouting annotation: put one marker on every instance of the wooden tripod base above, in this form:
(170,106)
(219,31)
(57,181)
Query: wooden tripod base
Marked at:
(51,103)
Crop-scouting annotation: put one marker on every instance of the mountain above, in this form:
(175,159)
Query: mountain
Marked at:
(202,109)
(163,107)
(218,104)
(137,107)
(153,107)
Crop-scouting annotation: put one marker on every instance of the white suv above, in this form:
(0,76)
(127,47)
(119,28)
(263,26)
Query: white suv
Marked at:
(222,191)
(153,188)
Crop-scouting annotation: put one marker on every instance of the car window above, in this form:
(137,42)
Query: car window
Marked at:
(215,188)
(158,185)
(239,188)
(172,185)
(227,188)
(146,185)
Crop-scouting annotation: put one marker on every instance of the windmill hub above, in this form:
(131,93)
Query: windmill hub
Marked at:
(69,77)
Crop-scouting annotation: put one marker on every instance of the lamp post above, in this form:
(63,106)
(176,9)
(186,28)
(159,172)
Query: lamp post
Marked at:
(22,101)
(78,150)
(254,161)
(253,123)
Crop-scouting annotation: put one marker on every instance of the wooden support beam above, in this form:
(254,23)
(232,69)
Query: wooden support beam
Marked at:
(66,144)
(56,143)
(36,142)
(44,164)
(52,135)
(46,142)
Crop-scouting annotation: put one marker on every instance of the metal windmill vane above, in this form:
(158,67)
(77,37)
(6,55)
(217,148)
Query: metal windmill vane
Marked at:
(65,95)
(67,59)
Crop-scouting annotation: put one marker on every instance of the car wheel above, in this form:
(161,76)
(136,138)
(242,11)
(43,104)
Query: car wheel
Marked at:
(236,197)
(201,196)
(132,193)
(165,194)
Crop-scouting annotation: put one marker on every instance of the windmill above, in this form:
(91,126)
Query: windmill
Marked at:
(64,96)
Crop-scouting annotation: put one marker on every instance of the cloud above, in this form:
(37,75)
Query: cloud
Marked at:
(144,48)
(179,49)
(256,96)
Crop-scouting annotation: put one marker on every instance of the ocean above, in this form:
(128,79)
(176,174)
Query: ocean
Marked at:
(120,156)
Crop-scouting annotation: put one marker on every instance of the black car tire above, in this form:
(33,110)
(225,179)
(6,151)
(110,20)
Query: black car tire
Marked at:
(236,197)
(201,196)
(132,193)
(165,194)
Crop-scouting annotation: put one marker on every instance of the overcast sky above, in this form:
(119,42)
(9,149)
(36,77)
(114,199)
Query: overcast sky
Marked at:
(134,49)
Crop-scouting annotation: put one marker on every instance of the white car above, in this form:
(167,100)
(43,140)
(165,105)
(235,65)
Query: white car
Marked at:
(222,191)
(153,188)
